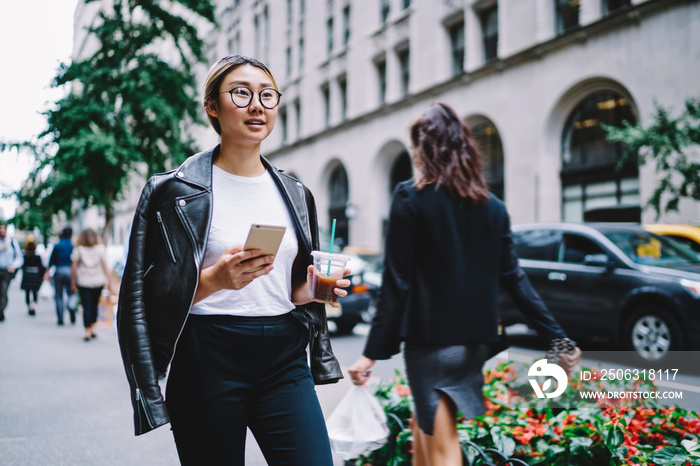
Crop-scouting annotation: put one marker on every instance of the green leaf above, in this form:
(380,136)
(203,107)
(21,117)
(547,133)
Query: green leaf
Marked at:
(503,442)
(670,456)
(691,446)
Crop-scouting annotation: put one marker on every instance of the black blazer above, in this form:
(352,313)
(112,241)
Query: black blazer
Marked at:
(444,261)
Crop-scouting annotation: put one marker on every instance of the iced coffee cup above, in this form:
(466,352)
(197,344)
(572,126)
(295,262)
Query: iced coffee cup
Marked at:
(328,269)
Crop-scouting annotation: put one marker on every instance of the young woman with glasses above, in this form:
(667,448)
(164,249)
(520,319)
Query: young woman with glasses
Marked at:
(233,334)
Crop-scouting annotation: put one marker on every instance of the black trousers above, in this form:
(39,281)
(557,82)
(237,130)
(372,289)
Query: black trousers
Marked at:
(4,284)
(90,298)
(230,373)
(31,295)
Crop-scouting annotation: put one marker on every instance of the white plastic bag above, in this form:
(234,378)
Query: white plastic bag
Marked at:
(357,425)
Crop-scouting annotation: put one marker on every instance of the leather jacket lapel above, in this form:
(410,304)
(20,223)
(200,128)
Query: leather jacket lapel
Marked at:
(195,210)
(293,191)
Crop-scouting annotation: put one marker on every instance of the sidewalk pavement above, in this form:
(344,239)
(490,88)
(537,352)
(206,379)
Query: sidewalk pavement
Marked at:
(64,401)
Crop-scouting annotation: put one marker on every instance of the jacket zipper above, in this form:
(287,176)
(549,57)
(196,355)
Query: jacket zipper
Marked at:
(196,264)
(141,401)
(166,237)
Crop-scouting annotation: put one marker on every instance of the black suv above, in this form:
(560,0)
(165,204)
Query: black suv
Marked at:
(613,282)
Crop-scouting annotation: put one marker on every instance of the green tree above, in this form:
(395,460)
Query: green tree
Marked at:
(672,144)
(126,113)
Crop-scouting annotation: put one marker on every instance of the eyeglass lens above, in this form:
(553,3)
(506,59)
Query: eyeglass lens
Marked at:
(242,97)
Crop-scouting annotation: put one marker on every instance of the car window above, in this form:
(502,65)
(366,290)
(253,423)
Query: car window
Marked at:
(575,248)
(650,249)
(695,246)
(540,245)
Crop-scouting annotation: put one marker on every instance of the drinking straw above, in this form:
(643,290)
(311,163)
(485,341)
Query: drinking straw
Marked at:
(332,240)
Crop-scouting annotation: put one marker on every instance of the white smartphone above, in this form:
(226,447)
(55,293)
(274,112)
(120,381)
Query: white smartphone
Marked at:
(266,238)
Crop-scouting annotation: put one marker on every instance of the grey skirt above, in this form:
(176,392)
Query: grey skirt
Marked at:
(455,371)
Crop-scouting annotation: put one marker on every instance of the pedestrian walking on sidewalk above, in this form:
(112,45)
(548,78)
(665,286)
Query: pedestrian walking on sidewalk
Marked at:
(234,324)
(60,260)
(10,261)
(89,275)
(448,247)
(33,272)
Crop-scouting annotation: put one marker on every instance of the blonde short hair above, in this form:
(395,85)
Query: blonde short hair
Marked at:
(218,72)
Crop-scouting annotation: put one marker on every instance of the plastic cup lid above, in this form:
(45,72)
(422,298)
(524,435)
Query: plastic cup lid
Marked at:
(329,256)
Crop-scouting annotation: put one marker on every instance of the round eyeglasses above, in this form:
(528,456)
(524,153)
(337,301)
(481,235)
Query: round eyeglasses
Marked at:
(242,96)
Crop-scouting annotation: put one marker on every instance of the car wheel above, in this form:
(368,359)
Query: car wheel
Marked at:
(344,327)
(652,334)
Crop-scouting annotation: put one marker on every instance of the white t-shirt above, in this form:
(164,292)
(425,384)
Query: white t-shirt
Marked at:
(240,201)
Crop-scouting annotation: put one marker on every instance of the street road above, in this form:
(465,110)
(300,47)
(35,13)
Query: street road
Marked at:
(64,401)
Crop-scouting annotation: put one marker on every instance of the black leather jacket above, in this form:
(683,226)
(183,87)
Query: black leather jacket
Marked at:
(168,239)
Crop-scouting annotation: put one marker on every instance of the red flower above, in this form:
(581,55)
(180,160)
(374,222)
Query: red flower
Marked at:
(403,390)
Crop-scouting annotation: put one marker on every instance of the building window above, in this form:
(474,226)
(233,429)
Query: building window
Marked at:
(592,188)
(266,33)
(489,31)
(456,32)
(566,12)
(297,114)
(329,35)
(611,5)
(301,8)
(256,27)
(289,12)
(381,80)
(326,91)
(405,68)
(488,142)
(343,88)
(405,4)
(346,25)
(301,53)
(283,120)
(339,195)
(289,61)
(384,9)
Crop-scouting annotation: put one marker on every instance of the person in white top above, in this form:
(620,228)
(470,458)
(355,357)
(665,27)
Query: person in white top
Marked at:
(240,358)
(89,275)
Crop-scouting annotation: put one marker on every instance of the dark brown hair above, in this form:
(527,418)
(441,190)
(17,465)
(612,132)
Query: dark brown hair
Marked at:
(444,154)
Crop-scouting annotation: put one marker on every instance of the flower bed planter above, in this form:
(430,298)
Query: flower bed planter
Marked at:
(518,426)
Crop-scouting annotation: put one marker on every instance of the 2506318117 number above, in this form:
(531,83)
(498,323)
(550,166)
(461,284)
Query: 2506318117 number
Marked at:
(629,374)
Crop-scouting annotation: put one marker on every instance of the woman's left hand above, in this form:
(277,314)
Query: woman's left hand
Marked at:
(303,294)
(568,361)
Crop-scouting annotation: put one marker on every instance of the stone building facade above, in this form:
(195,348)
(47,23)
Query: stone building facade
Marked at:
(534,79)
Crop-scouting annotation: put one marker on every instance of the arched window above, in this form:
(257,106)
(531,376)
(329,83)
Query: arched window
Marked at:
(401,170)
(488,142)
(339,193)
(594,188)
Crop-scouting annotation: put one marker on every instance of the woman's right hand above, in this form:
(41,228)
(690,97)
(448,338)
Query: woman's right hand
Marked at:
(360,370)
(234,270)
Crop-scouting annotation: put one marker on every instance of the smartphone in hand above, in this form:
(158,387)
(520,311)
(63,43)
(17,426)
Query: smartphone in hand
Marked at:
(266,238)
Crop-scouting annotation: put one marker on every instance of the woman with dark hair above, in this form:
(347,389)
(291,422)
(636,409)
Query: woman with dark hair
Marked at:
(235,324)
(448,247)
(32,276)
(89,275)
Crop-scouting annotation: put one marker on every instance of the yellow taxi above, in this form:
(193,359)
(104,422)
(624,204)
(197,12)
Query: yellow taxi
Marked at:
(686,234)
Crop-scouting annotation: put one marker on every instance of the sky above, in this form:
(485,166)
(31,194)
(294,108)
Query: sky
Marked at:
(35,37)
